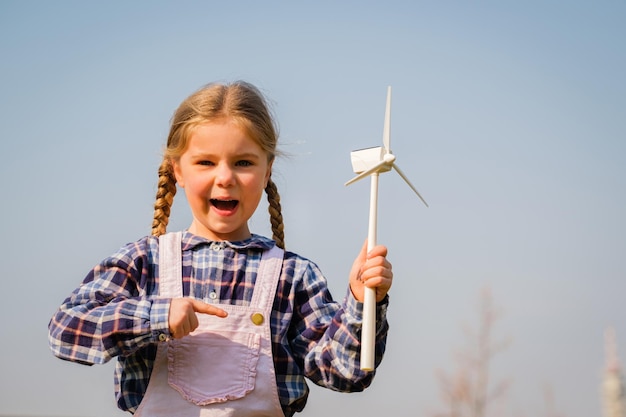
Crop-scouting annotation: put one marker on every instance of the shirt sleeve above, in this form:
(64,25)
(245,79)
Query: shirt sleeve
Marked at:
(112,312)
(329,335)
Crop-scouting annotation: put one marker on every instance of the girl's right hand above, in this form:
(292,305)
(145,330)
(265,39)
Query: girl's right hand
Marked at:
(182,318)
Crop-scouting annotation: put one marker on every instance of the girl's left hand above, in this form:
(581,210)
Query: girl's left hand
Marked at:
(371,270)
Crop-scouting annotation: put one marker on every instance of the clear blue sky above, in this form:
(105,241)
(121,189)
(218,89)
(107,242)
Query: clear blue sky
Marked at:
(509,117)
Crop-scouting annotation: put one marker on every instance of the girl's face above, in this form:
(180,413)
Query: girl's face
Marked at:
(224,173)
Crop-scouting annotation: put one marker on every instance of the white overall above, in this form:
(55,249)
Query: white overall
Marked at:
(224,367)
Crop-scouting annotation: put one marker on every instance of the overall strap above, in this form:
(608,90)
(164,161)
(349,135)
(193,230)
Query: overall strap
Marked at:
(267,278)
(170,265)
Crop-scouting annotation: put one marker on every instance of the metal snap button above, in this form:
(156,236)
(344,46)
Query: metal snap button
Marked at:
(257,318)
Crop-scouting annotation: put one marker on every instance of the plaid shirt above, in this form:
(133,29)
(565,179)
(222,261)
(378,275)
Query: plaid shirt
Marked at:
(116,312)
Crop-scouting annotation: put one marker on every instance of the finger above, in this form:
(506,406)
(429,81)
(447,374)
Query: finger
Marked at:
(378,250)
(187,326)
(178,332)
(375,276)
(192,323)
(374,266)
(378,282)
(205,308)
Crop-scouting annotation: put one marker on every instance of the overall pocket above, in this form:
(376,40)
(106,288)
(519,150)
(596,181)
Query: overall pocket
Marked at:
(207,368)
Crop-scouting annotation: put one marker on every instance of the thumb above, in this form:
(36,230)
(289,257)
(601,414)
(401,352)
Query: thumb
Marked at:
(205,308)
(359,261)
(362,256)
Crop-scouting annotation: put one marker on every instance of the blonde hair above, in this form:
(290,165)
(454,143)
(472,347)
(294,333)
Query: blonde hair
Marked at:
(239,100)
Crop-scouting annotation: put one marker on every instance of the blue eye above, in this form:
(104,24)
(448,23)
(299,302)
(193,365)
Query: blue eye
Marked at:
(205,163)
(244,163)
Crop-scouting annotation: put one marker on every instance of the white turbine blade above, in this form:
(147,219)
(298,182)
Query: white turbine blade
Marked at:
(387,127)
(367,172)
(409,182)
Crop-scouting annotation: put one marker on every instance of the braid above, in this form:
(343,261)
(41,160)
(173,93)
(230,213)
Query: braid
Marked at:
(276,216)
(164,198)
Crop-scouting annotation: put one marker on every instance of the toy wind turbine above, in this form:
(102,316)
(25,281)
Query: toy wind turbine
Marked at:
(373,161)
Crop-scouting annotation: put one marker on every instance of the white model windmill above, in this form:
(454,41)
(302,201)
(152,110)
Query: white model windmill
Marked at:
(373,161)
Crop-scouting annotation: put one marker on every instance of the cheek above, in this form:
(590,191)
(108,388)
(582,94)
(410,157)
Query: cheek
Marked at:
(252,189)
(195,185)
(258,183)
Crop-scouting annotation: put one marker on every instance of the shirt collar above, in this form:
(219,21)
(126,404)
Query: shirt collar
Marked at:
(190,241)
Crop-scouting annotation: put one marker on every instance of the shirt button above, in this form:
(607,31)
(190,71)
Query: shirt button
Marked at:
(162,337)
(257,318)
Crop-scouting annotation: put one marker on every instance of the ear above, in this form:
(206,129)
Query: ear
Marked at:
(268,174)
(177,172)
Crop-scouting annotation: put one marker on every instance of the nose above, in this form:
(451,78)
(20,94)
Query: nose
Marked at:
(224,175)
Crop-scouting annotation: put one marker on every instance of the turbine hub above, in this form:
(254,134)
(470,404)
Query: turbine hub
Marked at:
(389,158)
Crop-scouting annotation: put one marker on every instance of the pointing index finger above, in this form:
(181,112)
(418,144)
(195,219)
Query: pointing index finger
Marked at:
(205,308)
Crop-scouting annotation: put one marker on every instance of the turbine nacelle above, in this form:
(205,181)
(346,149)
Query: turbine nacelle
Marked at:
(368,160)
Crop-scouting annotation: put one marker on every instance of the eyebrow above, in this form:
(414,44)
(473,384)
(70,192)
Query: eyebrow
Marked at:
(244,155)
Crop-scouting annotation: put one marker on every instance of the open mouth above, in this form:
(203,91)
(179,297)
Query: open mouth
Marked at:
(224,204)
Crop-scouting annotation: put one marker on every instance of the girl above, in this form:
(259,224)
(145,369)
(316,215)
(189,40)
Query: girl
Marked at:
(215,320)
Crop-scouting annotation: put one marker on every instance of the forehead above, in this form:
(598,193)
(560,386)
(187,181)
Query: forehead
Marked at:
(222,134)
